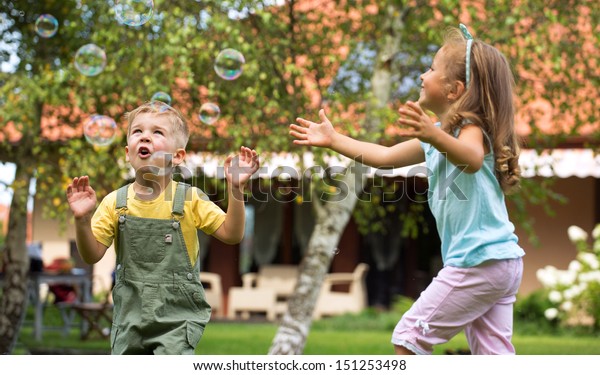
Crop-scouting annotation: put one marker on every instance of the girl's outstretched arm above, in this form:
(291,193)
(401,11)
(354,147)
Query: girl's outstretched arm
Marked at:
(308,133)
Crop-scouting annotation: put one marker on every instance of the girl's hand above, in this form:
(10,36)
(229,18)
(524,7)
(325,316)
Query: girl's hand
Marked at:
(415,122)
(239,168)
(81,197)
(310,133)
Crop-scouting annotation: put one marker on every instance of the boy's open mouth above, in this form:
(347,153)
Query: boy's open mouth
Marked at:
(144,152)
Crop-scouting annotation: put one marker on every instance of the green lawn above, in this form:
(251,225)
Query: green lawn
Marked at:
(367,333)
(240,338)
(255,338)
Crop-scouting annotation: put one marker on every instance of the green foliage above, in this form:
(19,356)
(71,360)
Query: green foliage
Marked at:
(175,52)
(2,239)
(369,319)
(387,203)
(529,314)
(2,236)
(401,304)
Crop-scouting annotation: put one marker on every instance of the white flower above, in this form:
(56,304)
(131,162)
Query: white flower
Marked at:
(572,292)
(576,234)
(548,276)
(555,296)
(596,231)
(590,259)
(574,266)
(566,277)
(590,277)
(551,313)
(566,306)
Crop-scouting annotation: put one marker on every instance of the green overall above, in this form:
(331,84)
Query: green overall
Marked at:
(159,303)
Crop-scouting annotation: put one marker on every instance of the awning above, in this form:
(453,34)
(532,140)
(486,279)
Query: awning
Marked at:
(562,163)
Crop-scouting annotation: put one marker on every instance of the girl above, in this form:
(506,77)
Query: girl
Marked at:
(472,160)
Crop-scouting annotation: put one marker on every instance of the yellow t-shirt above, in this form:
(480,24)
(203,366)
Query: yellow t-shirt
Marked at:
(199,213)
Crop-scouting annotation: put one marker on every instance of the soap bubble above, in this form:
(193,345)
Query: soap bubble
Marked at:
(133,12)
(100,130)
(160,106)
(161,96)
(209,113)
(90,60)
(46,26)
(229,63)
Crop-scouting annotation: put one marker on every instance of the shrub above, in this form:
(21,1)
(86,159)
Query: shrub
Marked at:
(529,314)
(574,293)
(370,319)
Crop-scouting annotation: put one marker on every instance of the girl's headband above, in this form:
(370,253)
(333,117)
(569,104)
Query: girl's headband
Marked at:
(469,38)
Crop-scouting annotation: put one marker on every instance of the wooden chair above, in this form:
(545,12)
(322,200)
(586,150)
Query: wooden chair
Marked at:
(97,316)
(333,301)
(213,290)
(249,301)
(263,292)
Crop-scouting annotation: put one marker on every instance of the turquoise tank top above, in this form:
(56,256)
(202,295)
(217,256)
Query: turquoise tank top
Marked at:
(470,212)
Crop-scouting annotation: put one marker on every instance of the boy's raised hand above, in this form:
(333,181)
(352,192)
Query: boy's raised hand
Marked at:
(310,133)
(81,197)
(239,168)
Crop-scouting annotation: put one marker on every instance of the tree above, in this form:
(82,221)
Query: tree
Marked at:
(333,216)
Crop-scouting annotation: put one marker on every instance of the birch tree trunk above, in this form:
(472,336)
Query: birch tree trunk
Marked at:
(16,261)
(333,216)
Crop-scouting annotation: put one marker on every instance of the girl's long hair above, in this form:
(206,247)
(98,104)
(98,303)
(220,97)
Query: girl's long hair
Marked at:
(487,102)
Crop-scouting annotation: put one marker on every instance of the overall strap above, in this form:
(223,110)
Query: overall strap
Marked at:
(179,199)
(122,197)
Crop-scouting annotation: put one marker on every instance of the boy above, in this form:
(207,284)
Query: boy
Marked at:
(159,303)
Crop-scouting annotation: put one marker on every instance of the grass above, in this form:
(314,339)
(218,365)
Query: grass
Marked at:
(245,338)
(335,336)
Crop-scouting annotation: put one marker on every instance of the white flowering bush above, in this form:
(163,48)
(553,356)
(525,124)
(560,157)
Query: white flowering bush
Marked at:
(575,292)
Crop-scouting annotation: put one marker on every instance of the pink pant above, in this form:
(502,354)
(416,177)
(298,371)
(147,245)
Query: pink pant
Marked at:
(477,299)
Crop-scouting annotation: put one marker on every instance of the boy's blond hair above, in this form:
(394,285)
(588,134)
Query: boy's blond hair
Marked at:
(177,121)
